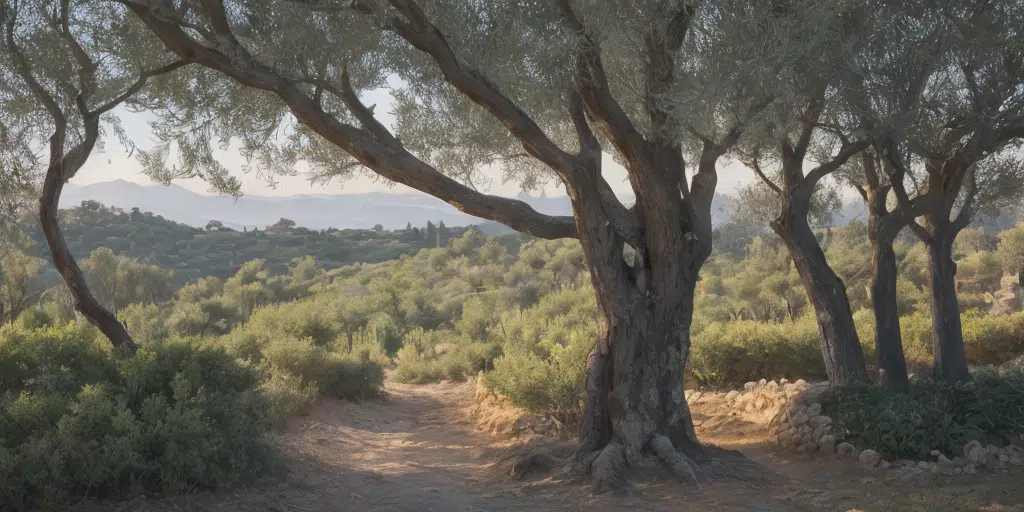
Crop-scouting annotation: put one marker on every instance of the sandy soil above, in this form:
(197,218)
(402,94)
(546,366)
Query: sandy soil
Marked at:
(417,451)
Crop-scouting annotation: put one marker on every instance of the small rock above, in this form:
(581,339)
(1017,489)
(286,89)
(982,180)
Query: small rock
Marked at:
(970,469)
(935,453)
(922,465)
(974,452)
(750,386)
(732,395)
(783,381)
(814,410)
(957,471)
(945,466)
(817,421)
(845,449)
(800,383)
(762,383)
(959,462)
(772,385)
(821,431)
(800,419)
(869,458)
(827,444)
(883,465)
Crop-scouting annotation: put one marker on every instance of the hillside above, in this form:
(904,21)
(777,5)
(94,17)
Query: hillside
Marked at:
(219,251)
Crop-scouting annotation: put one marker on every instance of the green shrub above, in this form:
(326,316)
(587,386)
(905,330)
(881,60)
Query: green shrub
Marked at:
(353,376)
(35,318)
(288,394)
(741,351)
(931,415)
(172,419)
(554,383)
(433,356)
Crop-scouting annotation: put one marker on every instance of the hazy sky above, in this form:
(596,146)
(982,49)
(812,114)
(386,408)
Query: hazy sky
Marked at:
(114,163)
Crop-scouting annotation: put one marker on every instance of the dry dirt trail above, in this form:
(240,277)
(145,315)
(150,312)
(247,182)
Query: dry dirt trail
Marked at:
(417,451)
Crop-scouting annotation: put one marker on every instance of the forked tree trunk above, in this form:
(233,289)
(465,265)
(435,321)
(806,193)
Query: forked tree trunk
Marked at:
(888,340)
(840,346)
(950,360)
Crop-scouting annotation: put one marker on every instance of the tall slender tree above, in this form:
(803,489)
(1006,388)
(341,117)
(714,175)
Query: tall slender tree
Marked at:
(68,60)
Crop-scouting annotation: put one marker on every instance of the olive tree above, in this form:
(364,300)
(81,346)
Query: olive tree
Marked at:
(794,149)
(68,63)
(541,90)
(957,147)
(888,79)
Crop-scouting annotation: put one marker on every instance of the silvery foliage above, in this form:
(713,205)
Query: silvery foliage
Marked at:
(40,38)
(730,62)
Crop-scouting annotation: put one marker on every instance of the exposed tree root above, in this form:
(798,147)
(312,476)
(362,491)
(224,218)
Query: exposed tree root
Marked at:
(608,470)
(607,473)
(680,465)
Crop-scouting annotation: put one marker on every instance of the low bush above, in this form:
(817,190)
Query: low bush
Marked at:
(74,422)
(743,350)
(433,356)
(554,382)
(932,415)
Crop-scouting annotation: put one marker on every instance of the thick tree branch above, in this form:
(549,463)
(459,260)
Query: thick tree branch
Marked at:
(390,162)
(420,32)
(363,114)
(593,85)
(845,153)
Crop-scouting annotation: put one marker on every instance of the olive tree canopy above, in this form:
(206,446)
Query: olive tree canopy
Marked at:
(540,89)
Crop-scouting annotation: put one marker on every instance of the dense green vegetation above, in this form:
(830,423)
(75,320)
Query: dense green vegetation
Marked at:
(931,415)
(229,358)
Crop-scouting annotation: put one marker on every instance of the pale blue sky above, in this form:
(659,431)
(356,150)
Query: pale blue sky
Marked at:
(114,163)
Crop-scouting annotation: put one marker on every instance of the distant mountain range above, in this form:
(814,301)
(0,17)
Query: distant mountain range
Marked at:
(356,211)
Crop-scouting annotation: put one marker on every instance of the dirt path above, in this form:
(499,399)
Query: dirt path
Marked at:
(417,451)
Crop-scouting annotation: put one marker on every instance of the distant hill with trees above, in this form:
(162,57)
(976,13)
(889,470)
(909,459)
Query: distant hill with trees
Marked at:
(219,250)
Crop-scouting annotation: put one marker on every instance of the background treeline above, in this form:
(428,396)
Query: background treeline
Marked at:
(218,251)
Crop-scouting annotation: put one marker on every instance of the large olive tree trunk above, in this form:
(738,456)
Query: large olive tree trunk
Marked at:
(840,346)
(635,408)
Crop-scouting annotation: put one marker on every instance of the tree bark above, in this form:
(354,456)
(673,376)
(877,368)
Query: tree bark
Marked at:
(85,302)
(840,346)
(888,339)
(950,359)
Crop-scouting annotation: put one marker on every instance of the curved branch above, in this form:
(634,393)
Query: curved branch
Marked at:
(420,32)
(137,86)
(591,81)
(387,160)
(756,166)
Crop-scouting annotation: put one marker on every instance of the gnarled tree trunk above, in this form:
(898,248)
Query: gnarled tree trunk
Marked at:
(635,408)
(950,359)
(840,346)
